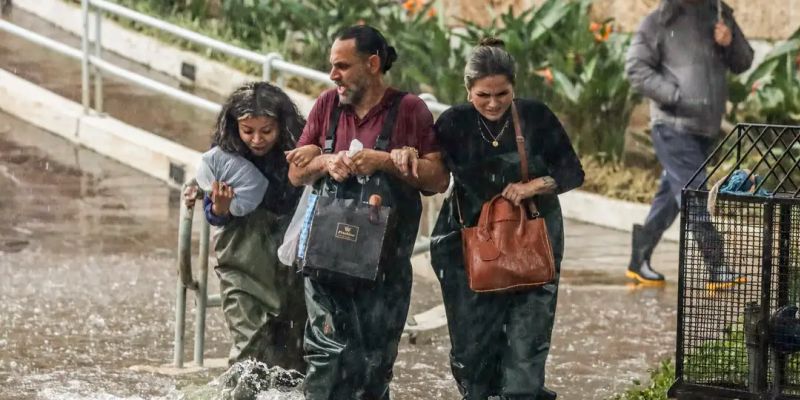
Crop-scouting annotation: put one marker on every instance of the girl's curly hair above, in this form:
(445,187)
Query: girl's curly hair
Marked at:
(257,99)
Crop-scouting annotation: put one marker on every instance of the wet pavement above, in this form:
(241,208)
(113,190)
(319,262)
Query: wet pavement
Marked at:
(87,270)
(88,290)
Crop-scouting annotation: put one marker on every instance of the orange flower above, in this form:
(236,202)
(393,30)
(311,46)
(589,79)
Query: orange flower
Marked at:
(415,6)
(594,27)
(797,61)
(547,75)
(756,86)
(602,33)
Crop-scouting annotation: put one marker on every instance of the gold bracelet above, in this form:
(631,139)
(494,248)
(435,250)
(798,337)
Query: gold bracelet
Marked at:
(416,153)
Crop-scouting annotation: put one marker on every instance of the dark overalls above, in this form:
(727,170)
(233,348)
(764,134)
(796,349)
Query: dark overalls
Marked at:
(500,341)
(352,335)
(262,299)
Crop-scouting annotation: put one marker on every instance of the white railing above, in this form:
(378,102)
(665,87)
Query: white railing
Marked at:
(270,62)
(90,55)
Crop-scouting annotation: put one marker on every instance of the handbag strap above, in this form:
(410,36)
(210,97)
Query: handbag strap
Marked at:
(523,156)
(523,162)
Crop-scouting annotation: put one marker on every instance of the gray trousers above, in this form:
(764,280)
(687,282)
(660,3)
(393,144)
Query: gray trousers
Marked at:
(681,154)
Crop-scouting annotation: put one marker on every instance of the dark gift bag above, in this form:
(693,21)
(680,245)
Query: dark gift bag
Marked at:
(349,236)
(347,240)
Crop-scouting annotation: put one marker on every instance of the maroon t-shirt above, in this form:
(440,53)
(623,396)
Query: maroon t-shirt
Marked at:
(413,127)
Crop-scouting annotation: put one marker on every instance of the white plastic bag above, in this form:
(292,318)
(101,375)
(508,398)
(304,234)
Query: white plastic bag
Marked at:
(248,183)
(287,252)
(297,233)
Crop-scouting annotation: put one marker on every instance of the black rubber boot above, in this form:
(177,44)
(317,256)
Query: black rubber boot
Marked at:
(546,394)
(639,269)
(720,278)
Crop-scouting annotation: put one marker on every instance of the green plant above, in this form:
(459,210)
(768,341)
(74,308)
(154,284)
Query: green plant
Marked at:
(661,379)
(614,179)
(771,93)
(431,62)
(575,66)
(724,360)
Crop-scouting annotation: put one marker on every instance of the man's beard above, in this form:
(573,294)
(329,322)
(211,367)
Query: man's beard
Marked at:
(354,94)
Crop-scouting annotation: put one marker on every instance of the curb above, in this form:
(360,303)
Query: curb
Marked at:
(610,213)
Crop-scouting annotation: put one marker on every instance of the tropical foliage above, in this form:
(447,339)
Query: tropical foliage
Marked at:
(771,93)
(661,379)
(564,58)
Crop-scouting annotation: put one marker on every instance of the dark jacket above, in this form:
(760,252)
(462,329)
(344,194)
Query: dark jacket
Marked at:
(674,61)
(481,171)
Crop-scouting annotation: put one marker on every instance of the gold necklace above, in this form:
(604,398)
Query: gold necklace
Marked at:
(495,138)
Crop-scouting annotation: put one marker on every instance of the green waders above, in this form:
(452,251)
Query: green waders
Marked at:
(262,299)
(500,342)
(352,335)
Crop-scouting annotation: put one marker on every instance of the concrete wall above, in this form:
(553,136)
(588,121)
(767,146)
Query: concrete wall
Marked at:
(760,19)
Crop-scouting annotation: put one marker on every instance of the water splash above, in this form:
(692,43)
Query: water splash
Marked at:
(250,380)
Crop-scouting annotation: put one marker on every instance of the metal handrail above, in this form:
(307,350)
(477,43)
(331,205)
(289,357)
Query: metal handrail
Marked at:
(154,85)
(110,68)
(186,282)
(41,40)
(270,62)
(183,33)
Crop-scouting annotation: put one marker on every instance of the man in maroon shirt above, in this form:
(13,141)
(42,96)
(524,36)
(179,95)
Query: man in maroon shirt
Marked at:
(351,336)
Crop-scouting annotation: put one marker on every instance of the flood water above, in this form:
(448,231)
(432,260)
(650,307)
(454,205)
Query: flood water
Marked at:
(87,271)
(89,278)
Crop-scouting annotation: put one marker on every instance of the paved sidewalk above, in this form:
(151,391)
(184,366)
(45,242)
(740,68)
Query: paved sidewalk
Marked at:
(597,255)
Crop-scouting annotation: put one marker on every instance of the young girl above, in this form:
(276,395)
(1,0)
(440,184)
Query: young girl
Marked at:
(261,299)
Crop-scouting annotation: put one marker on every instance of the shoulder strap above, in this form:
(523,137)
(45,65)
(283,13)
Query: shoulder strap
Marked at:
(333,122)
(523,155)
(382,143)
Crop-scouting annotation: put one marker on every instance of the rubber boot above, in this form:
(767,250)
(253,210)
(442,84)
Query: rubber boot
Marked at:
(544,394)
(639,269)
(721,278)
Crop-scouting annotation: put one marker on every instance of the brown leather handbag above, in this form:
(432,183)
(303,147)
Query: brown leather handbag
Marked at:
(507,251)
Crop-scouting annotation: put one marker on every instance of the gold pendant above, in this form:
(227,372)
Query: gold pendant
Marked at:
(495,143)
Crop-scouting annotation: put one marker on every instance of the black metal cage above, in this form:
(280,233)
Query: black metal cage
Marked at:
(738,333)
